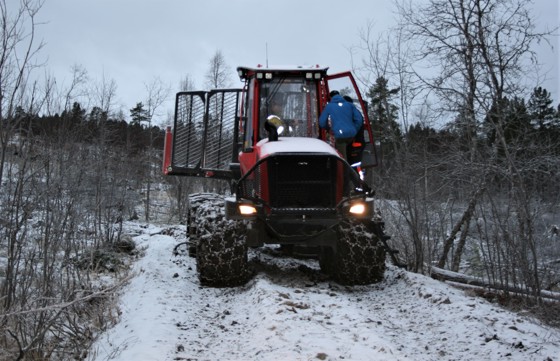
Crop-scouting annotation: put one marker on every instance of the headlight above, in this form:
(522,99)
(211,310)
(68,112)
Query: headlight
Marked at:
(357,208)
(247,210)
(240,209)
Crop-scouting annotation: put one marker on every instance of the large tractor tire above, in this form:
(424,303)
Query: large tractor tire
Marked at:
(359,258)
(222,256)
(221,247)
(201,217)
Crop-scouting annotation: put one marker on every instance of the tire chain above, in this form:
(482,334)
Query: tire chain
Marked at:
(221,244)
(198,218)
(360,256)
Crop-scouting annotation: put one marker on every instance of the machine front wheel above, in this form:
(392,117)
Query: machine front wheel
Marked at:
(360,255)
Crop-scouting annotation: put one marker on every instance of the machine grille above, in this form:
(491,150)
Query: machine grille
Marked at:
(302,182)
(299,183)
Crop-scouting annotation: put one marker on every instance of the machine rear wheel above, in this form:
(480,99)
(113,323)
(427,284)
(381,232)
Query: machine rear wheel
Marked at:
(221,244)
(203,212)
(222,256)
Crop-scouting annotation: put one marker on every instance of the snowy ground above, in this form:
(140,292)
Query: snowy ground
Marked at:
(289,311)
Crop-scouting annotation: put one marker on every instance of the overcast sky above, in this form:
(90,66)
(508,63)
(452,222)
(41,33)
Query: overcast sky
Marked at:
(135,41)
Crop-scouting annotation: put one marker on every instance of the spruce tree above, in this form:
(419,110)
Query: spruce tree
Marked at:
(541,111)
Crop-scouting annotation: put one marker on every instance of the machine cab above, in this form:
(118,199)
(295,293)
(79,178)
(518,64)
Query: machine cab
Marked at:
(294,95)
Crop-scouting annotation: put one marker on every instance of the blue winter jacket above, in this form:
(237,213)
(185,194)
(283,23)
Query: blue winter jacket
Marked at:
(346,119)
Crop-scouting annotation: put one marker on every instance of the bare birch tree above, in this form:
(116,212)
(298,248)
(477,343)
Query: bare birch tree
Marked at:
(219,73)
(186,83)
(40,203)
(158,93)
(389,57)
(18,50)
(478,52)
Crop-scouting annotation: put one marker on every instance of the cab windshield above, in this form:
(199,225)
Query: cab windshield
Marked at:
(294,101)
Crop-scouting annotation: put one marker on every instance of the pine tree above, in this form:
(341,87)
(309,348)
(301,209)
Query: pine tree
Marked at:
(139,114)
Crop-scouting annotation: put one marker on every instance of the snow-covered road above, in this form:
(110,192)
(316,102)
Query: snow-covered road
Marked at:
(289,311)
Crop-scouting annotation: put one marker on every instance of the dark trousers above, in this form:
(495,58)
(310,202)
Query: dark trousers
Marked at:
(340,144)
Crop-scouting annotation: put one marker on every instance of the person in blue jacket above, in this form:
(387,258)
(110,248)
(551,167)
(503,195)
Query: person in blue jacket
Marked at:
(345,121)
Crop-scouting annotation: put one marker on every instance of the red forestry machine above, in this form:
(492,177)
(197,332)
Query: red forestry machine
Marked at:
(290,187)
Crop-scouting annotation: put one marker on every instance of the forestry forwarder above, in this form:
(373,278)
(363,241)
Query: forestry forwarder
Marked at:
(290,186)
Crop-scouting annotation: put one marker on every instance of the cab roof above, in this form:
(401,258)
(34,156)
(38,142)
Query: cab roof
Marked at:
(316,71)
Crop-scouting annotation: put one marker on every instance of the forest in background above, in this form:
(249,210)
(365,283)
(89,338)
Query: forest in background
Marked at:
(469,180)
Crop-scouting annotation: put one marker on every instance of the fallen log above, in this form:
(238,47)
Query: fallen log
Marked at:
(446,275)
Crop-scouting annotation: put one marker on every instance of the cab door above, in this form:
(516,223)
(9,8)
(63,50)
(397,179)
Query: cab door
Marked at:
(364,144)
